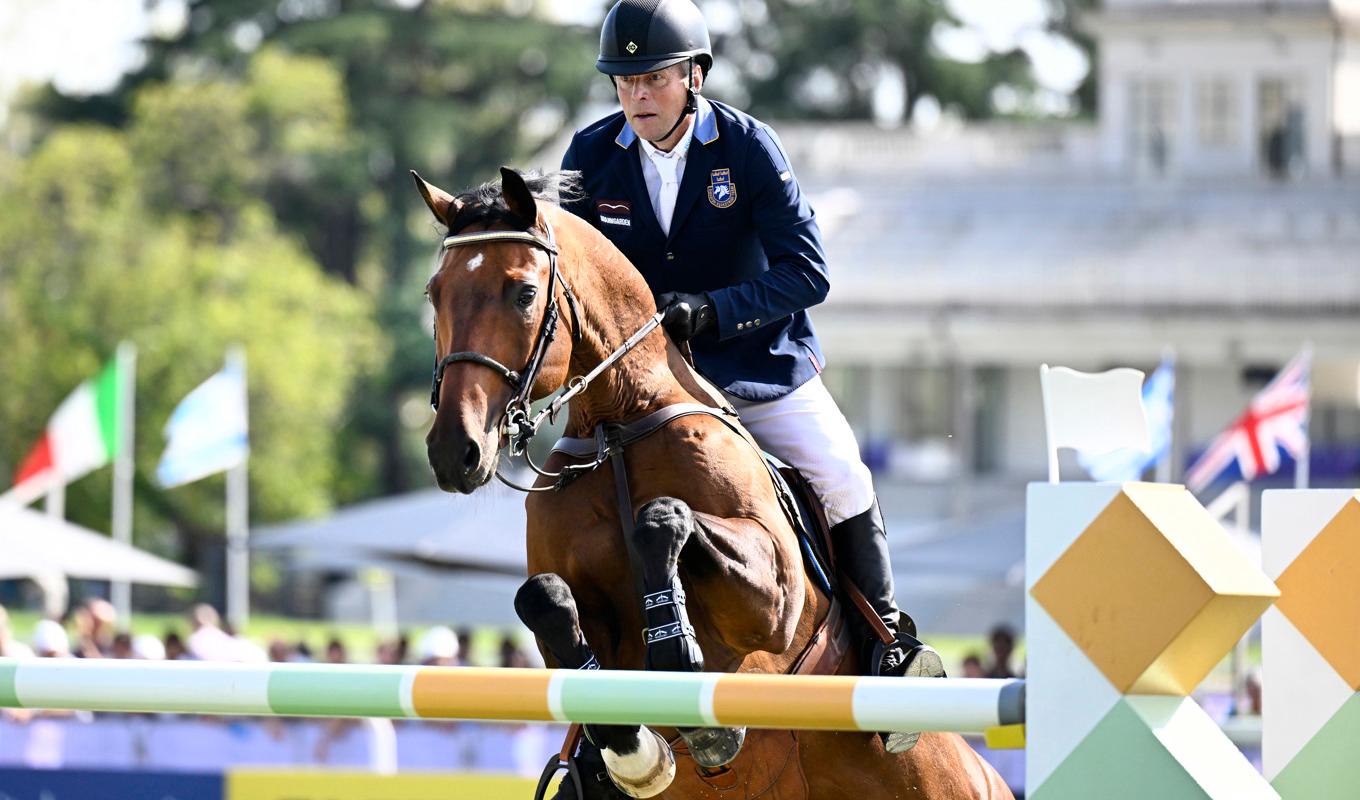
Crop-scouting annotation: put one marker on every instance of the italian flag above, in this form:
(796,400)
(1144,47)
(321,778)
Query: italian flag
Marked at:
(82,436)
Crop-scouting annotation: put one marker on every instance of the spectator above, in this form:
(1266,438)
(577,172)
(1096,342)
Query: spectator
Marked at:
(50,640)
(211,642)
(174,647)
(972,666)
(439,647)
(389,653)
(207,640)
(122,646)
(9,646)
(280,651)
(148,647)
(511,654)
(1003,646)
(464,654)
(335,652)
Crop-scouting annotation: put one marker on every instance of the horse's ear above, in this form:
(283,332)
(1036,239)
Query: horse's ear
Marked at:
(444,205)
(518,197)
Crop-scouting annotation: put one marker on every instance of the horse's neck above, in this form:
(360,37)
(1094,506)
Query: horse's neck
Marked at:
(614,303)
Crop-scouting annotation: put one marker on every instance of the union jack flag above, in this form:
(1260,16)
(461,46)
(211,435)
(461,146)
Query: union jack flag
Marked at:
(1275,420)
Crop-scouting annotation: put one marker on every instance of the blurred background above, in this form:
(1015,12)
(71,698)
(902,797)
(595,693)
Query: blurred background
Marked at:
(1001,183)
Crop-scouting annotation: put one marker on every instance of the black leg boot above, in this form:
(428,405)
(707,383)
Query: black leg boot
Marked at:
(862,554)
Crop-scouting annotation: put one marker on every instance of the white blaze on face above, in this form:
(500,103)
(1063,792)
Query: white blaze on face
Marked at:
(475,262)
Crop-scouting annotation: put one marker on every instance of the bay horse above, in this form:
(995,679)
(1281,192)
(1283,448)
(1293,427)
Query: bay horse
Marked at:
(691,548)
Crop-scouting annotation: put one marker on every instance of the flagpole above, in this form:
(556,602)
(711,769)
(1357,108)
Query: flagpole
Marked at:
(238,523)
(1303,464)
(121,591)
(56,499)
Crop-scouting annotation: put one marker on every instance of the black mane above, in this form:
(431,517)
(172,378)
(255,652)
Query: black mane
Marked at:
(485,204)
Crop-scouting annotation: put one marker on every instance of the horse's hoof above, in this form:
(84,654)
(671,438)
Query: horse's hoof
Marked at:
(645,773)
(921,662)
(899,742)
(924,662)
(714,747)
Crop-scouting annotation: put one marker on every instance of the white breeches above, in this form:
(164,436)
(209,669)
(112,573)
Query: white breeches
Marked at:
(806,429)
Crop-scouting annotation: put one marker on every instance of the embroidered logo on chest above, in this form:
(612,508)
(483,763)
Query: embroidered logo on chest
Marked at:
(722,192)
(615,212)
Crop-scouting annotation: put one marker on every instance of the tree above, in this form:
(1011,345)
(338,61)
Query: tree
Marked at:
(92,253)
(823,60)
(453,88)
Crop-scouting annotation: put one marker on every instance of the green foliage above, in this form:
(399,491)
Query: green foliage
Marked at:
(95,250)
(800,59)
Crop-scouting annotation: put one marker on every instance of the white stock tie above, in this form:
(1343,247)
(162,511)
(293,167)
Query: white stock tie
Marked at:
(667,167)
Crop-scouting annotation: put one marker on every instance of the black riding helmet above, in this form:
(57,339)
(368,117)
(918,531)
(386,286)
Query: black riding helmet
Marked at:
(646,35)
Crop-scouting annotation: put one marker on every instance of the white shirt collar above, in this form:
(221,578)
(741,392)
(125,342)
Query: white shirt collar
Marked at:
(680,151)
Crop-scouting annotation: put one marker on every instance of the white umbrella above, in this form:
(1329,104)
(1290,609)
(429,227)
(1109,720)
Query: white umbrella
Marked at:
(34,544)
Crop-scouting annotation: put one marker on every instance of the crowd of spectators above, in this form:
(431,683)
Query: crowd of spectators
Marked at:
(91,631)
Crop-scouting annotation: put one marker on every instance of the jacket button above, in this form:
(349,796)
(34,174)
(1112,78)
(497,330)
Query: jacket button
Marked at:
(670,256)
(741,326)
(757,322)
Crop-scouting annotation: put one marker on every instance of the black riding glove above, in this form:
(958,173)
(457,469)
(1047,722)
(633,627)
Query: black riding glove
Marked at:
(687,314)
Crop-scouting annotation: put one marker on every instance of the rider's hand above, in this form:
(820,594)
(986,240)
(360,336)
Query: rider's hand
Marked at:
(687,314)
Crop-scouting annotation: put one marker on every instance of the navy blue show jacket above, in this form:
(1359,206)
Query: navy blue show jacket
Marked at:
(741,231)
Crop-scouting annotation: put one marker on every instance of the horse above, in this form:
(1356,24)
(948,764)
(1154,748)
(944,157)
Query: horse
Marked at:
(674,529)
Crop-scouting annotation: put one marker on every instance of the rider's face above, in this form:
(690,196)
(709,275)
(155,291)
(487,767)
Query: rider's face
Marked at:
(654,100)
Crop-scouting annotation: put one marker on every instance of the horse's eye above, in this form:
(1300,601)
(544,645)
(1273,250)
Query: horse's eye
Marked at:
(526,296)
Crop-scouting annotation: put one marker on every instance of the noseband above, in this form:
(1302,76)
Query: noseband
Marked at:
(522,382)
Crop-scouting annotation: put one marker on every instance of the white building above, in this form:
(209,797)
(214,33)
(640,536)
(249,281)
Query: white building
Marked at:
(1213,208)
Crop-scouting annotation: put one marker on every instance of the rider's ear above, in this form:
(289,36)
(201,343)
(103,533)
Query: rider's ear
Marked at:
(518,197)
(444,205)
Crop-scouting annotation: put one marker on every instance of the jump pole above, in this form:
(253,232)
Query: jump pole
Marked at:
(844,703)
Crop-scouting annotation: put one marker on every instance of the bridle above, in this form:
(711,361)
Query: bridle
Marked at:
(516,424)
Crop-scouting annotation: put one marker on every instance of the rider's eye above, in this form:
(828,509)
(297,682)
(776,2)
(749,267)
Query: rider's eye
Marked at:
(526,296)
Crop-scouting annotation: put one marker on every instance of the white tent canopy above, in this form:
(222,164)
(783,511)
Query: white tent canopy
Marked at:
(455,559)
(34,544)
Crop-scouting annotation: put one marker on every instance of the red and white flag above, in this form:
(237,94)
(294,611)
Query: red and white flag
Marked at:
(1275,420)
(83,435)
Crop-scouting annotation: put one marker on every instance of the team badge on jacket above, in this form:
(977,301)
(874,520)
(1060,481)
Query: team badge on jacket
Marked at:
(615,212)
(722,192)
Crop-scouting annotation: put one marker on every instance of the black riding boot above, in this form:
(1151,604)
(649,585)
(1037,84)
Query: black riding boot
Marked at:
(862,555)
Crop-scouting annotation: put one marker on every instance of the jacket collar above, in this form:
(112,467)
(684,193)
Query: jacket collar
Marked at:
(705,126)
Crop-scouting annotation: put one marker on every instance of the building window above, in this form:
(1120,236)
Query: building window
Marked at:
(1217,110)
(1280,126)
(1152,116)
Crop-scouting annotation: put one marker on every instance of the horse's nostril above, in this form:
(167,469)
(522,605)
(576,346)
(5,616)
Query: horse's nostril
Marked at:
(472,457)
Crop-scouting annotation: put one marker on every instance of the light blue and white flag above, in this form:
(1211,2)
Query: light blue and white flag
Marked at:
(208,431)
(1128,464)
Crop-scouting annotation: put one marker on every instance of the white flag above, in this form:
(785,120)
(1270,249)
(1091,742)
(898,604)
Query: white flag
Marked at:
(1128,464)
(208,431)
(1093,412)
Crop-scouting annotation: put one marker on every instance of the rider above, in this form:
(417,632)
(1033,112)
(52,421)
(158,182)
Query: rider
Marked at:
(701,198)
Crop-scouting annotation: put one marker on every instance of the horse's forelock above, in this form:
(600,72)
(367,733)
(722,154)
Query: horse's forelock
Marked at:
(486,204)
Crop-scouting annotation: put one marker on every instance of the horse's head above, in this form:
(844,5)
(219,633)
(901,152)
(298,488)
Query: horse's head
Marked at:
(499,320)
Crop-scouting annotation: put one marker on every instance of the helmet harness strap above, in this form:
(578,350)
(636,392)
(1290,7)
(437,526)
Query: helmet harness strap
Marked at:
(691,104)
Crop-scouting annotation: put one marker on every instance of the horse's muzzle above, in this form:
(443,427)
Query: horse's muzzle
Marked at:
(459,463)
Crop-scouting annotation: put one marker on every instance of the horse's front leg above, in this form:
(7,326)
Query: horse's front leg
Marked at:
(662,529)
(639,761)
